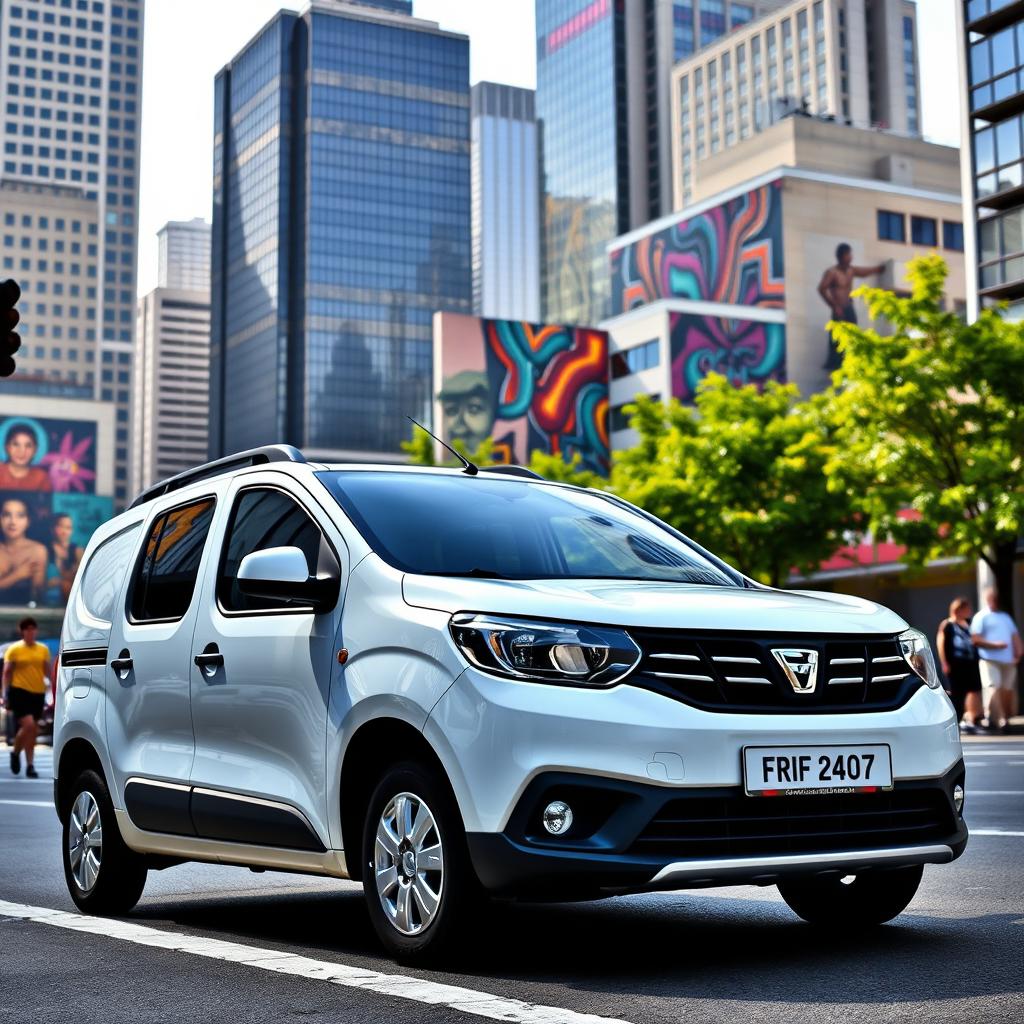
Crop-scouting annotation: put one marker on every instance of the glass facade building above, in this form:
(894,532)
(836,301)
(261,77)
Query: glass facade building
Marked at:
(341,223)
(581,111)
(506,203)
(992,34)
(71,87)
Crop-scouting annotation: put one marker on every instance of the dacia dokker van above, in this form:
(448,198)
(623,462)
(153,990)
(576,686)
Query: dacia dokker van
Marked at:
(454,685)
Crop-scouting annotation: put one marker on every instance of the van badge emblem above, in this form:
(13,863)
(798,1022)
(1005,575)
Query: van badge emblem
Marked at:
(800,666)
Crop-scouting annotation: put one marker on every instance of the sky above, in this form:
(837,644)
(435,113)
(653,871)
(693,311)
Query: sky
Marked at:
(188,41)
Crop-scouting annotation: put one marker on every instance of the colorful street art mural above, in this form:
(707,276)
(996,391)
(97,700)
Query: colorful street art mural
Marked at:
(744,351)
(528,387)
(731,253)
(48,507)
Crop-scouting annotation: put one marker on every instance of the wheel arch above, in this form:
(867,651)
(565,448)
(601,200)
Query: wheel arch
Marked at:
(76,756)
(375,746)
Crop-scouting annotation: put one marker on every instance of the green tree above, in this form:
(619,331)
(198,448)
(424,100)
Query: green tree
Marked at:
(742,472)
(930,419)
(554,467)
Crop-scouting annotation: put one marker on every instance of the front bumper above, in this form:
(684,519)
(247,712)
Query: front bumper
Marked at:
(629,837)
(495,736)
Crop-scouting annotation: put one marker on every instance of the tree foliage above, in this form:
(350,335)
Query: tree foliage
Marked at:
(742,472)
(930,418)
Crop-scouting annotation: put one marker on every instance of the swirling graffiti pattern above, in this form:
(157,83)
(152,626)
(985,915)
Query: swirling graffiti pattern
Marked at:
(557,378)
(731,253)
(744,351)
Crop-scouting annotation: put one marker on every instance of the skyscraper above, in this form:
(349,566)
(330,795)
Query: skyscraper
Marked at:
(171,378)
(853,60)
(603,110)
(341,223)
(991,36)
(506,204)
(71,81)
(184,247)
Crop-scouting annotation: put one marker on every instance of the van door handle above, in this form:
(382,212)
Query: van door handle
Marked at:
(123,662)
(210,658)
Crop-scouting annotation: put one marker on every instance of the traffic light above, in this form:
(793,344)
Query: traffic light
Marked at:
(10,340)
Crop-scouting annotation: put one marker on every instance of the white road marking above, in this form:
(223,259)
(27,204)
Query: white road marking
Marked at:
(994,832)
(30,803)
(465,1000)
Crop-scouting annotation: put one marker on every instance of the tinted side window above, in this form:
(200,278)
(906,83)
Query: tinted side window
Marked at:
(166,576)
(106,572)
(263,518)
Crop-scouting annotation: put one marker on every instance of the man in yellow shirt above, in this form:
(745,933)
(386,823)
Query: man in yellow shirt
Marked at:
(26,668)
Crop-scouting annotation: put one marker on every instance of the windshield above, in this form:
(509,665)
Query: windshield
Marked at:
(500,528)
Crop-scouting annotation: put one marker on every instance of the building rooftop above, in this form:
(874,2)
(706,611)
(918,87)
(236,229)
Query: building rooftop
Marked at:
(819,144)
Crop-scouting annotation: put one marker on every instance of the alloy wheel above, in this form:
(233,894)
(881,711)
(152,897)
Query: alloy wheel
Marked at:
(85,841)
(409,863)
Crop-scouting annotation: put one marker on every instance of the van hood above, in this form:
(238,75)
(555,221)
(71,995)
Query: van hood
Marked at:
(655,605)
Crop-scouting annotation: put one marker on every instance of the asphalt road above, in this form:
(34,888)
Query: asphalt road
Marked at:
(957,955)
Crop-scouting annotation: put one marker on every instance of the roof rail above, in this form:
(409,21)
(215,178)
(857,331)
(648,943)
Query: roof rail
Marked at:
(512,471)
(240,460)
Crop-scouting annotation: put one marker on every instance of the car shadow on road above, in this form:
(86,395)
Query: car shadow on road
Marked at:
(672,946)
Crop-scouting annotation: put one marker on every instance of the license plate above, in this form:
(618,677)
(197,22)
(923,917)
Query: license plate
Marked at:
(817,771)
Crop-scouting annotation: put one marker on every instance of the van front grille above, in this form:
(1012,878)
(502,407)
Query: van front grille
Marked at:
(742,674)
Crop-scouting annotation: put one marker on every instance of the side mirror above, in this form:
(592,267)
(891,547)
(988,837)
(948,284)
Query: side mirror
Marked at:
(281,574)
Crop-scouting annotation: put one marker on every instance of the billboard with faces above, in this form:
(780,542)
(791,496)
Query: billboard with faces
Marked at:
(48,507)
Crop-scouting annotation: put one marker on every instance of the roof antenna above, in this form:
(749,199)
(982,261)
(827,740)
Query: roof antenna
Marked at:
(468,468)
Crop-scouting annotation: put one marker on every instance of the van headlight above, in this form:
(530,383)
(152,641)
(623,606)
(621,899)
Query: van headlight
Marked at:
(545,652)
(917,651)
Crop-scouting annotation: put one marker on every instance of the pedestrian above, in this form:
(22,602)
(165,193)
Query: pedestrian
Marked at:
(958,655)
(998,639)
(26,668)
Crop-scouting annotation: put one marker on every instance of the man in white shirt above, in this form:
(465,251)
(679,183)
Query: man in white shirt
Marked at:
(1000,647)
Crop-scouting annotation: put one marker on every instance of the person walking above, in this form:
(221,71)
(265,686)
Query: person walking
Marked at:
(998,639)
(26,669)
(958,655)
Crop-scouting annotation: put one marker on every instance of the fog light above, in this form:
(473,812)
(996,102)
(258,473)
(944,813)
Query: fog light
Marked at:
(958,798)
(557,817)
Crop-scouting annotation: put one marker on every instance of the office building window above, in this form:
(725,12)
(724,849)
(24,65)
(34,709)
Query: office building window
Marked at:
(923,231)
(891,226)
(633,360)
(953,235)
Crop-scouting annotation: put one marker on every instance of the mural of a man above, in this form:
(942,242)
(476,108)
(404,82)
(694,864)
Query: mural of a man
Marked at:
(468,408)
(835,288)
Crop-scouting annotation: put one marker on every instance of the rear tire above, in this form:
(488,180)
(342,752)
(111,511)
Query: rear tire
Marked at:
(867,900)
(420,887)
(103,876)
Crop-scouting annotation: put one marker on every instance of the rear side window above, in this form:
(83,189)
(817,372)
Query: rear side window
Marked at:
(264,518)
(105,572)
(165,578)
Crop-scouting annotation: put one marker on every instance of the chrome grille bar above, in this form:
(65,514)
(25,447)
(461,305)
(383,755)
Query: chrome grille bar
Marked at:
(889,679)
(844,680)
(682,675)
(758,680)
(676,657)
(888,659)
(736,660)
(846,661)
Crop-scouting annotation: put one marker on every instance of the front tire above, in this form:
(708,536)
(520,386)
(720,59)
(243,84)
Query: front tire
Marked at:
(419,884)
(103,876)
(861,902)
